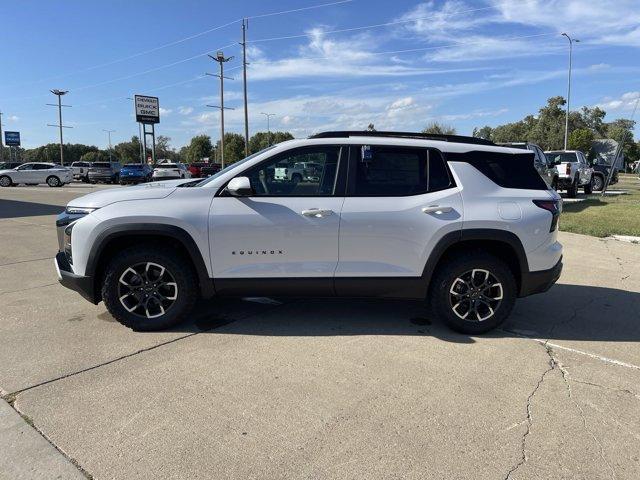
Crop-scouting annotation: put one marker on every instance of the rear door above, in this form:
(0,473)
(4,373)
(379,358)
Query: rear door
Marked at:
(285,229)
(400,201)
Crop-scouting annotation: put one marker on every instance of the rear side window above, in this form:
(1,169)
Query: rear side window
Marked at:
(509,170)
(387,171)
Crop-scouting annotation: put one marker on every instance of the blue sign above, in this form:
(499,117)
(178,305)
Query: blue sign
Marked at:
(12,139)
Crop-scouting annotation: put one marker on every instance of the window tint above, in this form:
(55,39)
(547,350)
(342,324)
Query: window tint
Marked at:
(41,166)
(398,171)
(309,171)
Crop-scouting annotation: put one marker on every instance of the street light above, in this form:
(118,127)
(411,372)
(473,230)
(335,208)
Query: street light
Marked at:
(268,115)
(109,132)
(566,122)
(59,94)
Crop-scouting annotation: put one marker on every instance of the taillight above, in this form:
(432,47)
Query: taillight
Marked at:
(552,206)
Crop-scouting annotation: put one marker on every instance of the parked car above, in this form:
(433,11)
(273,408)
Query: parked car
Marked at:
(545,167)
(462,223)
(81,170)
(34,173)
(573,171)
(298,172)
(209,169)
(600,174)
(135,173)
(170,171)
(107,172)
(9,165)
(196,169)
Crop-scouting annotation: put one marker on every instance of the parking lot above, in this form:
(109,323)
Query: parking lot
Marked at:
(263,388)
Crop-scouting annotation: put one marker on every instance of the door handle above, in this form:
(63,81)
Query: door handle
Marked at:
(437,209)
(317,213)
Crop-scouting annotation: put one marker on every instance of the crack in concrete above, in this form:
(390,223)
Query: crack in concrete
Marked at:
(618,260)
(613,389)
(570,320)
(565,378)
(523,443)
(29,288)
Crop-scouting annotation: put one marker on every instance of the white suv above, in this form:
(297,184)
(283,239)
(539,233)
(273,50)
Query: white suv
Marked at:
(460,222)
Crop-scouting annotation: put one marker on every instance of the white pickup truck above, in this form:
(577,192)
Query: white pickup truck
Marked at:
(573,171)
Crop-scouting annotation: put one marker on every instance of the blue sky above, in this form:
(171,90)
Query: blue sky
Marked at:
(396,64)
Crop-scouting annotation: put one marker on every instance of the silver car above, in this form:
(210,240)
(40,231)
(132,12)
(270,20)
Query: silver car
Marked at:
(35,173)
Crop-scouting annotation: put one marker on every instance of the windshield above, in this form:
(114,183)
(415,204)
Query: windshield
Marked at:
(561,157)
(233,165)
(167,165)
(132,167)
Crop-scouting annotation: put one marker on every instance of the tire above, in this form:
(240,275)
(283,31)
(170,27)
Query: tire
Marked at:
(588,188)
(159,311)
(53,181)
(473,270)
(296,178)
(5,181)
(554,184)
(598,183)
(572,191)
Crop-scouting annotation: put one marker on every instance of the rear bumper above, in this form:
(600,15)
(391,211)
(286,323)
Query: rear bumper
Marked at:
(132,179)
(78,283)
(166,177)
(540,281)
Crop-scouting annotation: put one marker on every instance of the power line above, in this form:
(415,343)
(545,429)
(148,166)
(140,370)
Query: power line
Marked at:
(301,9)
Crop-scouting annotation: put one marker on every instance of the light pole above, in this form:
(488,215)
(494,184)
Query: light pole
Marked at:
(59,94)
(566,121)
(109,132)
(220,58)
(268,115)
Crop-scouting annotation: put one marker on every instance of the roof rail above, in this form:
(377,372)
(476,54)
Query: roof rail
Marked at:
(421,136)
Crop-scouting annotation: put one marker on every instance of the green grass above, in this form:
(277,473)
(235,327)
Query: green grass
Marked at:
(604,216)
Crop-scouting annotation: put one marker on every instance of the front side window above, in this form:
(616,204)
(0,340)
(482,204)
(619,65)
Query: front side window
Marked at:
(399,171)
(27,166)
(301,172)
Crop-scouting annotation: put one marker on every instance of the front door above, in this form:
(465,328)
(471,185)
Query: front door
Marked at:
(287,229)
(400,201)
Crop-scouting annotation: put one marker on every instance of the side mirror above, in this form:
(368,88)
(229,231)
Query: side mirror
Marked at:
(239,187)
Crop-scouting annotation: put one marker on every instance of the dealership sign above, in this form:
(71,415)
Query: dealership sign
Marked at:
(12,139)
(147,109)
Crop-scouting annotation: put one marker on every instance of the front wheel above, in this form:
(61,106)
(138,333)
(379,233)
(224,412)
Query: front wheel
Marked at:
(149,288)
(5,181)
(598,183)
(473,293)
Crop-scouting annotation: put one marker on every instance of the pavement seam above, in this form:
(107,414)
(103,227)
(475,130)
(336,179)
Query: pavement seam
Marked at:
(27,261)
(29,421)
(29,288)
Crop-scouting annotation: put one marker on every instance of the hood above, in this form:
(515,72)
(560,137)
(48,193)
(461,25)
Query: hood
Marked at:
(148,191)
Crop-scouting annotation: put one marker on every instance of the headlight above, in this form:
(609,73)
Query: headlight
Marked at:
(66,242)
(79,210)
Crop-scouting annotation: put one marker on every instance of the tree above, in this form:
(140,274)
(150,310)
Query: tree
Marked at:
(581,139)
(371,127)
(262,140)
(199,148)
(439,129)
(98,156)
(233,148)
(163,149)
(484,132)
(128,152)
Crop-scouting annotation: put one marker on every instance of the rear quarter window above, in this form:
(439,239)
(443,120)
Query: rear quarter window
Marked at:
(508,170)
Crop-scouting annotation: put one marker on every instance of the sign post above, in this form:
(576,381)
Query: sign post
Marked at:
(148,113)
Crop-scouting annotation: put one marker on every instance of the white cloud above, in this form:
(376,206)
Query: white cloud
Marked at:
(626,102)
(165,111)
(185,110)
(13,118)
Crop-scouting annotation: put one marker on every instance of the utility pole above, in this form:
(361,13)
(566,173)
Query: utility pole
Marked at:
(268,115)
(1,141)
(245,25)
(566,121)
(109,132)
(220,58)
(59,94)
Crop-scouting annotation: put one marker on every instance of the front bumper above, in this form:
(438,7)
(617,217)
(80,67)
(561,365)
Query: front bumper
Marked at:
(79,283)
(540,281)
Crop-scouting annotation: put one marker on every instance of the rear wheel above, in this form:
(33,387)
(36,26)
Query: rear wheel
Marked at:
(473,293)
(554,184)
(53,181)
(149,288)
(588,188)
(598,183)
(572,190)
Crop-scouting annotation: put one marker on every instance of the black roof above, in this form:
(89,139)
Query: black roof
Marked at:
(414,135)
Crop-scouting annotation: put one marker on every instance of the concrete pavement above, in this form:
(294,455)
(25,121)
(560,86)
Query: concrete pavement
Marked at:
(326,388)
